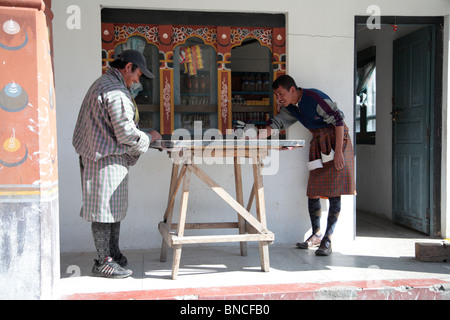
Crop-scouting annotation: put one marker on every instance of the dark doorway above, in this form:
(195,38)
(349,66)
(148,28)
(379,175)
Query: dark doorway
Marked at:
(415,180)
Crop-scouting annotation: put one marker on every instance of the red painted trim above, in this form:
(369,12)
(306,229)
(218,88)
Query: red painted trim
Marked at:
(42,5)
(362,290)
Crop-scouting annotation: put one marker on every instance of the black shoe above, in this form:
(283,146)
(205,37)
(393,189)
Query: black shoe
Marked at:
(121,260)
(324,248)
(109,269)
(311,242)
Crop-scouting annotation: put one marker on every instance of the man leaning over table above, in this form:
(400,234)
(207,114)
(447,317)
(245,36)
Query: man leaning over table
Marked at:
(331,160)
(108,142)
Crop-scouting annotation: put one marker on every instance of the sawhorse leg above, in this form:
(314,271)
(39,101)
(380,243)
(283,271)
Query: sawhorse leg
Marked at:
(169,210)
(240,199)
(181,224)
(261,213)
(175,182)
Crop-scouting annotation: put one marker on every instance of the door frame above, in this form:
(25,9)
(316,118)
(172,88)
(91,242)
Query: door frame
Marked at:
(436,107)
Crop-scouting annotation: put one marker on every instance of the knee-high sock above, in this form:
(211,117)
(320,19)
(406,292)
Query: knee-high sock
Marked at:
(114,239)
(333,215)
(315,213)
(101,233)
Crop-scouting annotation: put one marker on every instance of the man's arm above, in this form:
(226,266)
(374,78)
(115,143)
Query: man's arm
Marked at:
(155,135)
(281,121)
(264,133)
(339,162)
(121,112)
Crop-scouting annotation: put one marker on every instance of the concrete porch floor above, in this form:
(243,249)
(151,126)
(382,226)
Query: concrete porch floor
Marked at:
(379,264)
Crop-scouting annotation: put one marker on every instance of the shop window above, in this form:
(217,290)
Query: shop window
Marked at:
(251,83)
(197,58)
(195,84)
(146,93)
(365,109)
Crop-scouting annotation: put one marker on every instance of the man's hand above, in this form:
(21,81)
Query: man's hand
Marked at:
(265,133)
(154,135)
(339,162)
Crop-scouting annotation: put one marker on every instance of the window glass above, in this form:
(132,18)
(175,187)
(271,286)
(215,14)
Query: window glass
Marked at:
(148,90)
(365,108)
(195,95)
(146,93)
(251,83)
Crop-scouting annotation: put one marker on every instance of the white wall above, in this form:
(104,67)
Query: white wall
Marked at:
(320,54)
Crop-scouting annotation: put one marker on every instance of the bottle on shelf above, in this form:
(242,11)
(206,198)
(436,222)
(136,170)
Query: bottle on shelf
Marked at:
(258,83)
(202,85)
(195,84)
(244,82)
(188,84)
(266,82)
(251,83)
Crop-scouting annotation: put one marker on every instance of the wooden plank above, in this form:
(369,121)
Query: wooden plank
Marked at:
(176,261)
(172,239)
(259,194)
(181,222)
(183,204)
(261,214)
(208,225)
(223,152)
(228,198)
(175,182)
(240,199)
(267,237)
(172,188)
(250,198)
(433,252)
(250,229)
(231,144)
(169,210)
(264,256)
(172,196)
(166,233)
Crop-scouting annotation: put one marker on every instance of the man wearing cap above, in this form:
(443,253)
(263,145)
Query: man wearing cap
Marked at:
(108,141)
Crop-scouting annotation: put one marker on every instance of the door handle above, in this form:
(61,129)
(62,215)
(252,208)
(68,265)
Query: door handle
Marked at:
(395,115)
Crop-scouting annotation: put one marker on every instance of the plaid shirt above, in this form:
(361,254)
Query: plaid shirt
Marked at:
(108,141)
(106,122)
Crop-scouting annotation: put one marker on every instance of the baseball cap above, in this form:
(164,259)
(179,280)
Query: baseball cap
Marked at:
(136,58)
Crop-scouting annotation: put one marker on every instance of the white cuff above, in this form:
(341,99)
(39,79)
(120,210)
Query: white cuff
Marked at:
(327,157)
(315,164)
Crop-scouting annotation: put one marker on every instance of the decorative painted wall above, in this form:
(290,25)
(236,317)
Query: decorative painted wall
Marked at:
(29,212)
(223,39)
(28,151)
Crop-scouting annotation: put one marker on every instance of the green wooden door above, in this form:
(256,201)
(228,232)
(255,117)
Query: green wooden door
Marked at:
(411,129)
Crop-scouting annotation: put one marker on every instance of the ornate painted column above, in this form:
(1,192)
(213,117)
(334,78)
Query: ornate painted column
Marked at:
(108,44)
(224,77)
(166,79)
(279,57)
(29,216)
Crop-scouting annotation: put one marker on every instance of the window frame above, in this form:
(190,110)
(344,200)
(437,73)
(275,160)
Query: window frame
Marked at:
(365,57)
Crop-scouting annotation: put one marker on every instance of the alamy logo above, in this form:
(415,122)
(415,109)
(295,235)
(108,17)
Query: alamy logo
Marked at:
(73,22)
(373,22)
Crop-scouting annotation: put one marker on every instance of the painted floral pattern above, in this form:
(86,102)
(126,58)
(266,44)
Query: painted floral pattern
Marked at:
(209,35)
(147,31)
(264,36)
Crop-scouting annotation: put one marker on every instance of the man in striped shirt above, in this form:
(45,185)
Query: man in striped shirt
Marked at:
(331,159)
(108,140)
